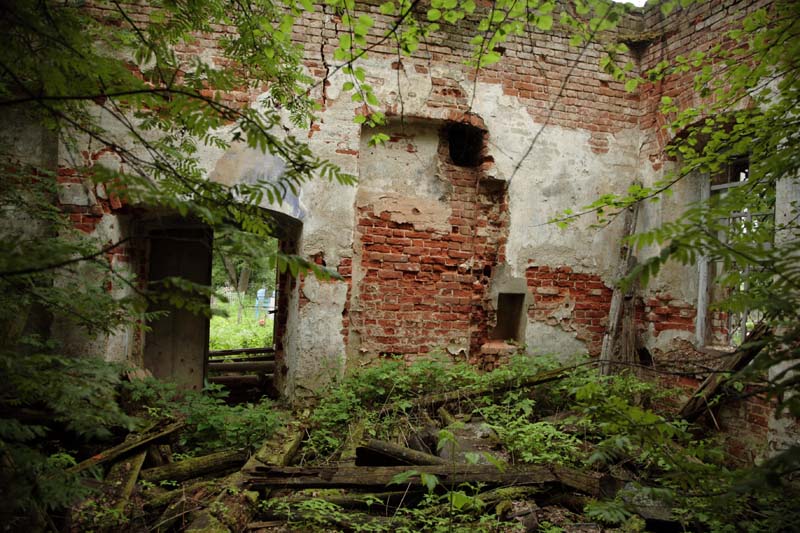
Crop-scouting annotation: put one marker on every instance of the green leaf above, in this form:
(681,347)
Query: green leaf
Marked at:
(429,480)
(403,477)
(434,15)
(544,22)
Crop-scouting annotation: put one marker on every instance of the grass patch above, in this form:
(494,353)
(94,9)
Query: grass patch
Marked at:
(227,333)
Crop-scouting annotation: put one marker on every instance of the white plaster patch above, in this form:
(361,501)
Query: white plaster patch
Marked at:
(317,347)
(74,194)
(423,213)
(556,172)
(108,230)
(244,165)
(407,164)
(544,339)
(666,339)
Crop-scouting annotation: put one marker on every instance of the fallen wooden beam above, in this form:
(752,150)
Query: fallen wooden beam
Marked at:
(354,437)
(241,351)
(163,499)
(368,478)
(123,475)
(126,447)
(195,466)
(233,506)
(701,399)
(375,449)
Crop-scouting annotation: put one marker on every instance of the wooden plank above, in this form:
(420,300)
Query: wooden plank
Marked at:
(242,351)
(196,466)
(700,400)
(619,341)
(233,504)
(253,358)
(241,381)
(368,478)
(375,449)
(125,447)
(123,476)
(266,367)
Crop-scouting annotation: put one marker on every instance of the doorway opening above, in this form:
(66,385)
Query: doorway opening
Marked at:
(244,307)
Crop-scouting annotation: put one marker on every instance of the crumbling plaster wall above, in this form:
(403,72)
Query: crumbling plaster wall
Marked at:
(550,169)
(560,132)
(668,312)
(588,145)
(102,216)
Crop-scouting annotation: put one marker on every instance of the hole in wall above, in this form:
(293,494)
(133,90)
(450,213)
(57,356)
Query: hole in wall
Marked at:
(509,317)
(465,143)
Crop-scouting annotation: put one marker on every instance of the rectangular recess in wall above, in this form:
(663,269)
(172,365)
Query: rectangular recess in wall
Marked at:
(509,317)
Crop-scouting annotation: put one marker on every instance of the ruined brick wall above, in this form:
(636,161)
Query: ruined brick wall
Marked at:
(424,263)
(409,290)
(571,300)
(556,83)
(696,28)
(96,211)
(411,286)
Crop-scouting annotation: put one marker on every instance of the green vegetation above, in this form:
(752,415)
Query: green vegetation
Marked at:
(227,332)
(58,405)
(212,425)
(614,424)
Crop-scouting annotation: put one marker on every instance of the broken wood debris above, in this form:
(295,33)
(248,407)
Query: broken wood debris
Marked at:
(699,402)
(126,447)
(377,481)
(387,453)
(591,483)
(196,466)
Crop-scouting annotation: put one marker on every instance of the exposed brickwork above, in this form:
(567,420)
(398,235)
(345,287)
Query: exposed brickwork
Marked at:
(419,290)
(570,300)
(88,203)
(422,290)
(662,312)
(698,27)
(555,82)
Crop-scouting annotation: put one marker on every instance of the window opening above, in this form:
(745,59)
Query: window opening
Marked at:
(736,324)
(465,143)
(510,310)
